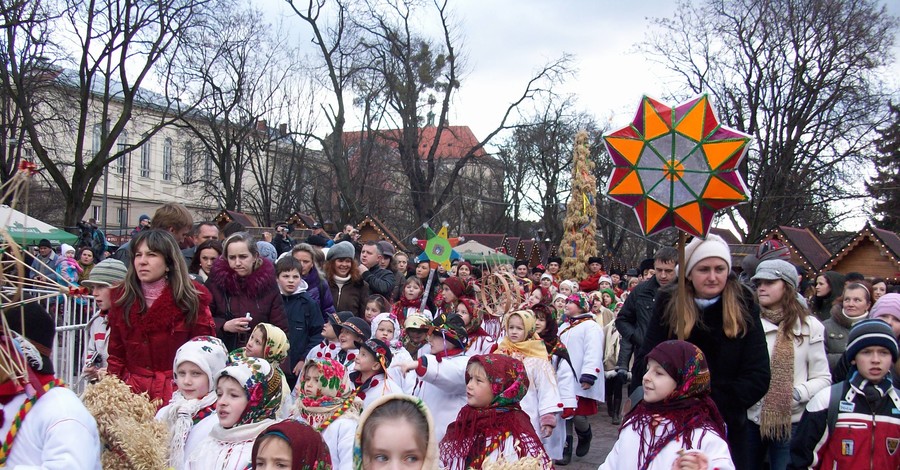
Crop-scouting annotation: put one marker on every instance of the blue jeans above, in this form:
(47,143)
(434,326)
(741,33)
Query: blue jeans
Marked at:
(779,452)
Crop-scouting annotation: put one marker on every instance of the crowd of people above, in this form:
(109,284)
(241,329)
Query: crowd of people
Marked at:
(331,353)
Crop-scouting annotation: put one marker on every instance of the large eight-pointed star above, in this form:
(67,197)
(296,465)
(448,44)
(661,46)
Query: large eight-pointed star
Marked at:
(677,166)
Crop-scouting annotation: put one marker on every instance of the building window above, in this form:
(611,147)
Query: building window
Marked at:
(122,217)
(188,162)
(96,140)
(123,144)
(145,159)
(208,167)
(167,160)
(96,213)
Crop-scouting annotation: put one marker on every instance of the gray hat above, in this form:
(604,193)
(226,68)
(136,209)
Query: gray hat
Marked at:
(340,250)
(106,273)
(773,269)
(267,250)
(387,249)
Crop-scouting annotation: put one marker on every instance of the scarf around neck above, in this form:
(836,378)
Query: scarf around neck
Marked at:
(531,347)
(336,397)
(775,415)
(181,416)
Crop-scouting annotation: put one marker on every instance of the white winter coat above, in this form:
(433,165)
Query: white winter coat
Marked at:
(339,436)
(542,397)
(585,344)
(625,452)
(443,389)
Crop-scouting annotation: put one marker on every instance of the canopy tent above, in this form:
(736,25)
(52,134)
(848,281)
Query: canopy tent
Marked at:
(26,230)
(476,253)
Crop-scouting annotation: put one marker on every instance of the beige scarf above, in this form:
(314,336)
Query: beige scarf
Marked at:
(775,416)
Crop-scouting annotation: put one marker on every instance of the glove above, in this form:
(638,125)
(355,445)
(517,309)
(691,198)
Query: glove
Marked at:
(610,374)
(622,373)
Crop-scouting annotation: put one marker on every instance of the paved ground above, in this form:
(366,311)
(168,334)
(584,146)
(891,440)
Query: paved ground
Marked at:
(605,435)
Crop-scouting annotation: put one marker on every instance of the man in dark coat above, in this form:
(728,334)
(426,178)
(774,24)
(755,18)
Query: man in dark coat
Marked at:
(282,240)
(380,280)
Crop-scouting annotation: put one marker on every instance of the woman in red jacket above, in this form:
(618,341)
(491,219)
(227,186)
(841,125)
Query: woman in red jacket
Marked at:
(244,292)
(157,309)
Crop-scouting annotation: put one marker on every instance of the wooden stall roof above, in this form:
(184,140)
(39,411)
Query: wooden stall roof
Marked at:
(226,216)
(806,248)
(301,221)
(873,252)
(373,229)
(727,235)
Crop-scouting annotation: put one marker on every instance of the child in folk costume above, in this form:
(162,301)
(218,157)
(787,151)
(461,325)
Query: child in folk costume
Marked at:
(249,392)
(547,328)
(290,444)
(478,341)
(491,426)
(328,402)
(441,373)
(329,347)
(395,431)
(268,342)
(191,413)
(375,304)
(453,288)
(410,299)
(352,333)
(676,425)
(386,328)
(415,338)
(542,402)
(583,337)
(370,376)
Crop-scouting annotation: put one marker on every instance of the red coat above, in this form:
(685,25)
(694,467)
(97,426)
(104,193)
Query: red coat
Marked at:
(592,283)
(142,355)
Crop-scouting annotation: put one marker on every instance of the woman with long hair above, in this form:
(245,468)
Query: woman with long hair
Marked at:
(796,342)
(716,313)
(307,255)
(828,288)
(244,291)
(156,310)
(348,290)
(204,257)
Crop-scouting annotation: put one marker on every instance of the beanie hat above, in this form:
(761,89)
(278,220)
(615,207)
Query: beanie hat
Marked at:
(65,248)
(605,278)
(546,276)
(772,249)
(570,284)
(888,304)
(380,350)
(106,273)
(749,264)
(267,250)
(357,325)
(774,269)
(581,300)
(341,250)
(456,285)
(37,331)
(699,249)
(206,352)
(45,243)
(870,332)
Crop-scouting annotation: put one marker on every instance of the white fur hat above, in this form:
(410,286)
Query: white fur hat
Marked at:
(699,249)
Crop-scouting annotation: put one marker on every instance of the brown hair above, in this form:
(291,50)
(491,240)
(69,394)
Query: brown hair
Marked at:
(793,311)
(207,245)
(330,271)
(391,410)
(682,314)
(187,299)
(172,216)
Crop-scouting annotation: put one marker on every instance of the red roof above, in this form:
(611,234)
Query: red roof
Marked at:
(456,141)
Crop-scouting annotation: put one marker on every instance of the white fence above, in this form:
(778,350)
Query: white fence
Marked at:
(71,315)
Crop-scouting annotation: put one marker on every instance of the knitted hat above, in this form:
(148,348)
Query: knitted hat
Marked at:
(456,285)
(267,250)
(699,249)
(581,300)
(37,330)
(605,279)
(774,269)
(45,243)
(570,284)
(546,276)
(143,217)
(106,273)
(65,248)
(341,250)
(262,386)
(387,249)
(686,364)
(337,318)
(888,304)
(451,327)
(206,352)
(772,249)
(357,325)
(870,332)
(380,350)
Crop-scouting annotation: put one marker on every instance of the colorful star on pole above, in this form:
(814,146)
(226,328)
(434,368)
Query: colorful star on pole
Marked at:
(438,248)
(677,166)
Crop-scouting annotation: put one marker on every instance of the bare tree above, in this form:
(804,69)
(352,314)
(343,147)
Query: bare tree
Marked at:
(801,76)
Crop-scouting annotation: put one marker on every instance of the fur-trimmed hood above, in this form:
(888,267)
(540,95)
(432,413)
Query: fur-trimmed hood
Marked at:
(256,284)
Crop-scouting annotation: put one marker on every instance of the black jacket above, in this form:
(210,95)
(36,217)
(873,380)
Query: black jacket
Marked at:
(282,243)
(380,281)
(304,325)
(631,323)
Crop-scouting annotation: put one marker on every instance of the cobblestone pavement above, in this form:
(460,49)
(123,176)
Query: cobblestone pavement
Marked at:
(605,435)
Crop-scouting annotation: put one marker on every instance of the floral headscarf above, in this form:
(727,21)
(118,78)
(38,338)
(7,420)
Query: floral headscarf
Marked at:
(580,299)
(533,346)
(262,385)
(335,391)
(509,382)
(276,348)
(308,450)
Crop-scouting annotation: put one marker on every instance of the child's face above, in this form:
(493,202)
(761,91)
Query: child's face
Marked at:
(463,271)
(515,329)
(274,453)
(311,382)
(192,382)
(347,339)
(449,296)
(256,345)
(103,297)
(328,332)
(893,321)
(595,307)
(412,291)
(231,403)
(546,282)
(437,343)
(607,300)
(873,363)
(534,298)
(559,303)
(395,450)
(463,312)
(572,309)
(540,323)
(565,290)
(416,334)
(478,388)
(522,270)
(288,281)
(604,285)
(365,362)
(385,331)
(658,384)
(372,311)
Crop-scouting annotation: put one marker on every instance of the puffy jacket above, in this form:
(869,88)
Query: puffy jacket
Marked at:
(865,435)
(304,324)
(142,354)
(235,296)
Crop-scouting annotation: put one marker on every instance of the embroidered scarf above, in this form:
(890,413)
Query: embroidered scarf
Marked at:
(335,398)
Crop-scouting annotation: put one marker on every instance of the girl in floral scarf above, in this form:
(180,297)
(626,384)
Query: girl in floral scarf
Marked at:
(291,443)
(676,424)
(249,392)
(270,343)
(479,341)
(542,402)
(386,328)
(491,426)
(327,401)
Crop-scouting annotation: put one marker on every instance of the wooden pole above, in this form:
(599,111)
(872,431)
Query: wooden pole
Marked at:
(681,267)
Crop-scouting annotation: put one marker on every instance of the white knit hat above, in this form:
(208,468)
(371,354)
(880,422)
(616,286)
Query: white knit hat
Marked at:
(699,249)
(206,352)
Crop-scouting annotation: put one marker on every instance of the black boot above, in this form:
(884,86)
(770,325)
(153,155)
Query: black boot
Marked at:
(616,407)
(567,453)
(584,442)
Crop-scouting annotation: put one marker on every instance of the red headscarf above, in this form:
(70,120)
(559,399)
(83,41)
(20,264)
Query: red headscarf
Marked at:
(308,450)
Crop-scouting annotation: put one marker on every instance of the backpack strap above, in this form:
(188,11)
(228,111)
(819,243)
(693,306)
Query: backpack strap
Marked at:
(834,403)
